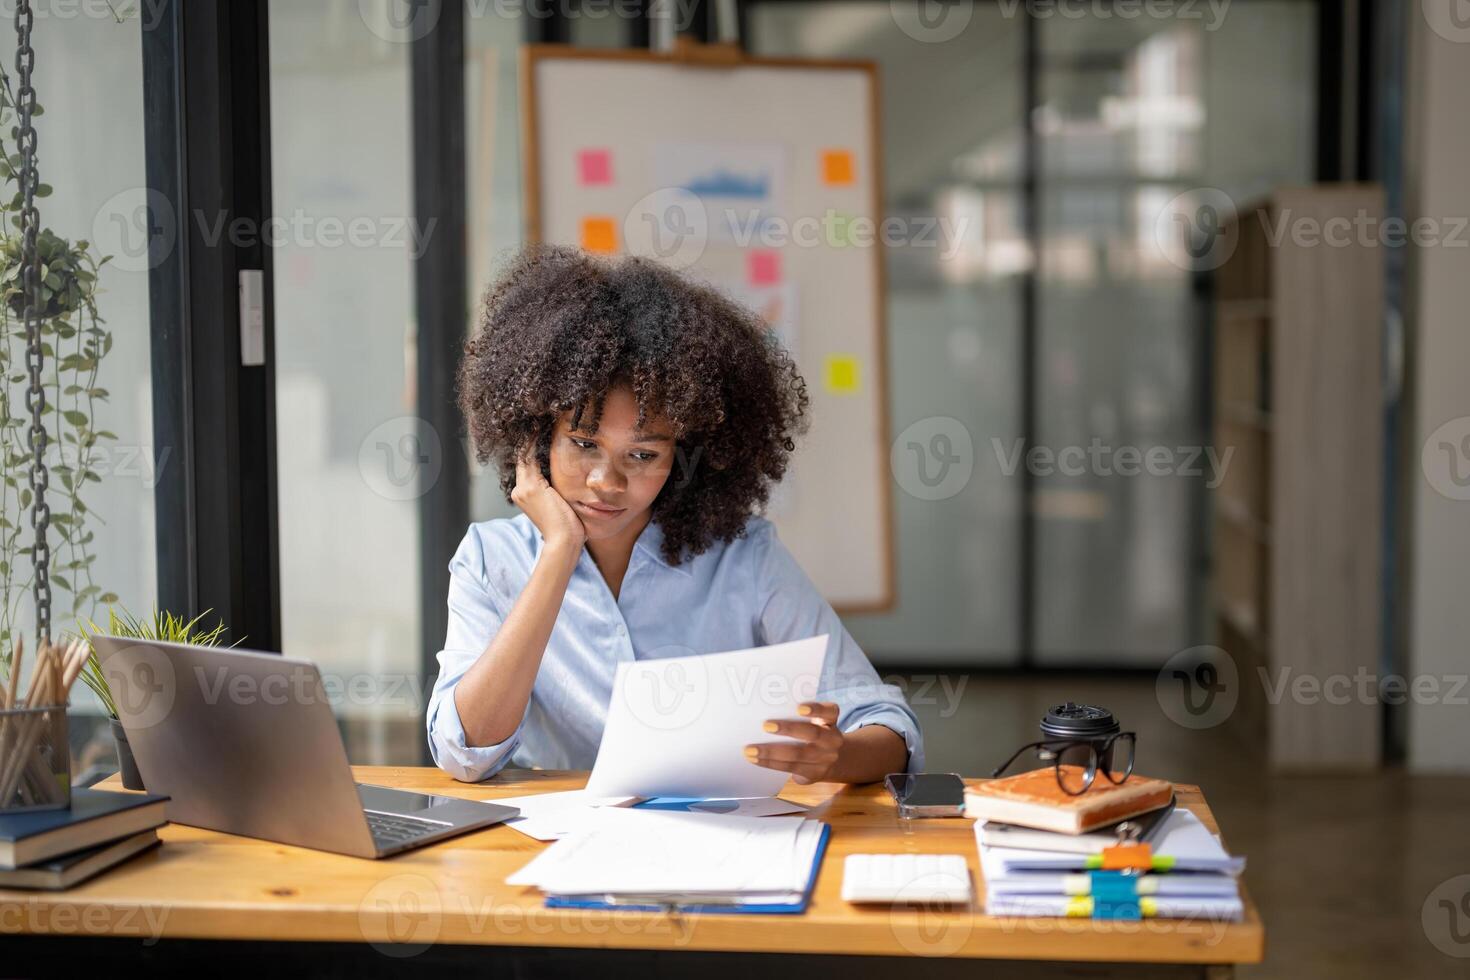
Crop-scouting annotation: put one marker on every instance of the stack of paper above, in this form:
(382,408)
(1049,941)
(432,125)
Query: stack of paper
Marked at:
(1192,877)
(620,857)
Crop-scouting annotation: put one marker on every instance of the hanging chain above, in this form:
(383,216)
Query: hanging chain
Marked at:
(30,221)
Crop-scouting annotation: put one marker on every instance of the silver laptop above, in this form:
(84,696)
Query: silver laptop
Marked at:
(246,743)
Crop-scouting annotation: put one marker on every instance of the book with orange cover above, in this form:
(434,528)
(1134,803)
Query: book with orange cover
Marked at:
(1033,799)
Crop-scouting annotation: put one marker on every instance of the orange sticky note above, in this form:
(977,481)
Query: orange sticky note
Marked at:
(842,374)
(837,167)
(1123,857)
(600,235)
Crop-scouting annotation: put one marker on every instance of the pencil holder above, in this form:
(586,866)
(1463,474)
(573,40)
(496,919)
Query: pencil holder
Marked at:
(35,759)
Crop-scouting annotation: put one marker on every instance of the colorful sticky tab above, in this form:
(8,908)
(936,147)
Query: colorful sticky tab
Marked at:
(600,235)
(763,267)
(1122,911)
(594,167)
(1114,886)
(1139,857)
(842,374)
(838,169)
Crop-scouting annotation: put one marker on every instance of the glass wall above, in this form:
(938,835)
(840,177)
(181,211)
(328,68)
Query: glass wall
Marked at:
(347,455)
(89,81)
(1136,114)
(1133,111)
(951,110)
(493,144)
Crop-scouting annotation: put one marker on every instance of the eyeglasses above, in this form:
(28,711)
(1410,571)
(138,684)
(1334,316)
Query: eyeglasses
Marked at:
(1078,762)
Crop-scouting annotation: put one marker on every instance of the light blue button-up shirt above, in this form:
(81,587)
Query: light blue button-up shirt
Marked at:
(746,593)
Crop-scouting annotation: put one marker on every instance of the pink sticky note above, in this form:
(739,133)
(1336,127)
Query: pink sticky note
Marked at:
(763,267)
(595,166)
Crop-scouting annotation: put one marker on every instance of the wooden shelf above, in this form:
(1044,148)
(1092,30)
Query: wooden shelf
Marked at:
(1243,309)
(1247,415)
(1242,620)
(1296,523)
(1235,513)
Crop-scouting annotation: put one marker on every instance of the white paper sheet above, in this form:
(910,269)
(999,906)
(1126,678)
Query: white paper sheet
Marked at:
(551,816)
(679,726)
(633,851)
(761,806)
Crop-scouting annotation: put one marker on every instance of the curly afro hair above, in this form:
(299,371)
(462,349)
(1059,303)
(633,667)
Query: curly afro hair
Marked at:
(559,329)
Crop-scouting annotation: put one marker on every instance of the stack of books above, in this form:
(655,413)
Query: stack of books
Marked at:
(1114,851)
(55,849)
(619,858)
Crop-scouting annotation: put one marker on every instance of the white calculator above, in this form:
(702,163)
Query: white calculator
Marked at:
(905,878)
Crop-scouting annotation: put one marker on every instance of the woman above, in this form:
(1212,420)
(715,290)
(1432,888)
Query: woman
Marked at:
(639,422)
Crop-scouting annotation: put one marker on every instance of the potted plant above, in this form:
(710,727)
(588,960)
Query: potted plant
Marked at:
(162,625)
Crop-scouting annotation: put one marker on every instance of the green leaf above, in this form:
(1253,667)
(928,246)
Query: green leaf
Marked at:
(76,418)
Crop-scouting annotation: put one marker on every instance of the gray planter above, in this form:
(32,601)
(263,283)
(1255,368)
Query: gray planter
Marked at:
(125,764)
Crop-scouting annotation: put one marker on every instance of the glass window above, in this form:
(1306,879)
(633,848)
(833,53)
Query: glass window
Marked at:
(89,81)
(952,135)
(346,445)
(1135,112)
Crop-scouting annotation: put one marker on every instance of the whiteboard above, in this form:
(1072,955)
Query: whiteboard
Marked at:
(761,178)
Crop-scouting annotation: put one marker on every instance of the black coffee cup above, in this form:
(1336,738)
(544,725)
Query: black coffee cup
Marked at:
(1078,722)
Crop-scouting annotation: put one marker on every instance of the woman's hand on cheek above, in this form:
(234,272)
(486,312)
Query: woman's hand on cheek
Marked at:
(547,509)
(812,757)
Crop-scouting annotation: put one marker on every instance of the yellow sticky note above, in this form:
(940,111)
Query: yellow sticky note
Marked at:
(600,235)
(842,374)
(837,167)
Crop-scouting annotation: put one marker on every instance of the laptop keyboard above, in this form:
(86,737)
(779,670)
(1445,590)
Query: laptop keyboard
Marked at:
(391,830)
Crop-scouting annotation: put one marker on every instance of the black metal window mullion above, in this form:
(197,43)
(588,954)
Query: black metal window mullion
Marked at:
(207,158)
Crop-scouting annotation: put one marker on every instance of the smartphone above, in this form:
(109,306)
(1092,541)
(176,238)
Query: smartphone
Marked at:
(927,794)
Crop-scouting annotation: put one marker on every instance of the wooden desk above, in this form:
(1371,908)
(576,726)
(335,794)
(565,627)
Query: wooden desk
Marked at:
(202,885)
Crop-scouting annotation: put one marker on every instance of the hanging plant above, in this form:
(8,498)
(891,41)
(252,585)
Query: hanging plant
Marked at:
(74,345)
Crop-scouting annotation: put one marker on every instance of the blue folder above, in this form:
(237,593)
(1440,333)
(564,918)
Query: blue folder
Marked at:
(735,908)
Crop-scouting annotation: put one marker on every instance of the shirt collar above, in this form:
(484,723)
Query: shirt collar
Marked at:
(651,541)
